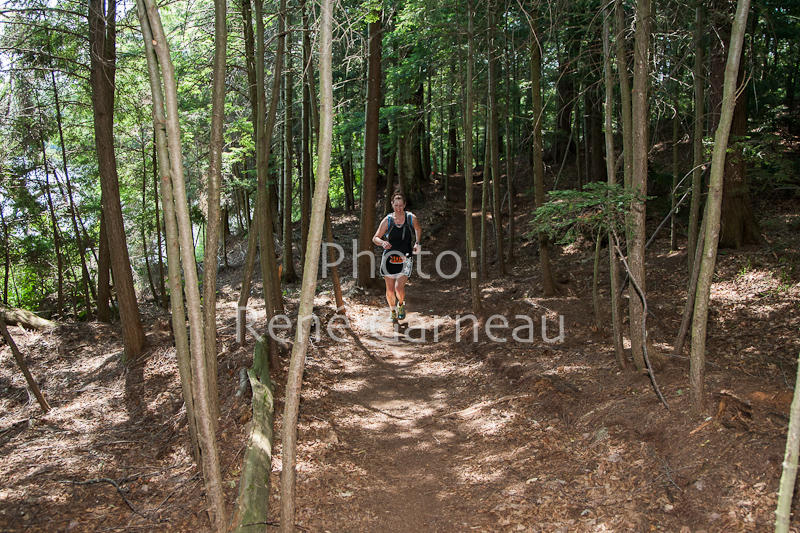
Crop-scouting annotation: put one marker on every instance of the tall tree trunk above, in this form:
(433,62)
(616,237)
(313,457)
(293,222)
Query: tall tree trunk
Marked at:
(265,126)
(85,279)
(369,179)
(698,74)
(640,147)
(713,209)
(305,191)
(625,92)
(484,207)
(6,258)
(165,116)
(102,43)
(143,222)
(56,230)
(548,285)
(673,195)
(164,295)
(297,363)
(289,274)
(608,108)
(494,142)
(214,184)
(738,223)
(475,293)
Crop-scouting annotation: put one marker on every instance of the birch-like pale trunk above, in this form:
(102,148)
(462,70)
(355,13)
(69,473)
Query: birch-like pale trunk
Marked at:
(713,212)
(309,285)
(789,474)
(166,117)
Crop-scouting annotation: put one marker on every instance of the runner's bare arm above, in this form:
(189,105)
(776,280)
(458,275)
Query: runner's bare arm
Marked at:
(417,232)
(377,238)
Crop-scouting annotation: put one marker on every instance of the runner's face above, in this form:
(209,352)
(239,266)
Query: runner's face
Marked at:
(398,204)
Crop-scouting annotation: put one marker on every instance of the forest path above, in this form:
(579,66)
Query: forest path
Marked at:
(395,429)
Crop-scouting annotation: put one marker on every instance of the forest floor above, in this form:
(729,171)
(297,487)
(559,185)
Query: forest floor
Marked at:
(441,435)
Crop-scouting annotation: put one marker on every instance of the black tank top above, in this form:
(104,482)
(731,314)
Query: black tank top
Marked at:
(399,237)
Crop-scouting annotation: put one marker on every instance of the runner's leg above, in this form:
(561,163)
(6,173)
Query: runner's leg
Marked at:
(390,290)
(400,288)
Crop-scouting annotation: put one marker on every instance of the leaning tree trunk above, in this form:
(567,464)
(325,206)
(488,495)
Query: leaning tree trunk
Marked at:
(713,213)
(789,475)
(102,43)
(297,363)
(32,385)
(173,182)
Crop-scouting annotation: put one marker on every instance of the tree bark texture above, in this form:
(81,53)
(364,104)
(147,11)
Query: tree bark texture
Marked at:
(297,362)
(369,181)
(713,212)
(102,45)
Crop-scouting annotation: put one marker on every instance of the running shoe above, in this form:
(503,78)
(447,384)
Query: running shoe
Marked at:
(401,311)
(394,315)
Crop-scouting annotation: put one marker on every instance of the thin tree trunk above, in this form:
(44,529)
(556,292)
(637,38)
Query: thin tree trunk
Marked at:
(247,276)
(697,136)
(497,213)
(468,109)
(6,258)
(297,363)
(625,93)
(164,295)
(638,184)
(548,284)
(85,278)
(265,126)
(56,231)
(103,275)
(713,209)
(32,385)
(155,38)
(335,281)
(305,191)
(789,474)
(143,223)
(102,42)
(214,184)
(369,180)
(484,206)
(616,307)
(675,178)
(688,308)
(289,274)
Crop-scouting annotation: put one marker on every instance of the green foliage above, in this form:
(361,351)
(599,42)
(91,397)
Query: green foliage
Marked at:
(569,213)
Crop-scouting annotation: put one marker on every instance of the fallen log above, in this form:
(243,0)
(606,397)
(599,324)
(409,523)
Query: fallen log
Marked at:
(22,317)
(251,507)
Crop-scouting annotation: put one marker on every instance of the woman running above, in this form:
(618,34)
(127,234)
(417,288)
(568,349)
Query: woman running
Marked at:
(394,236)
